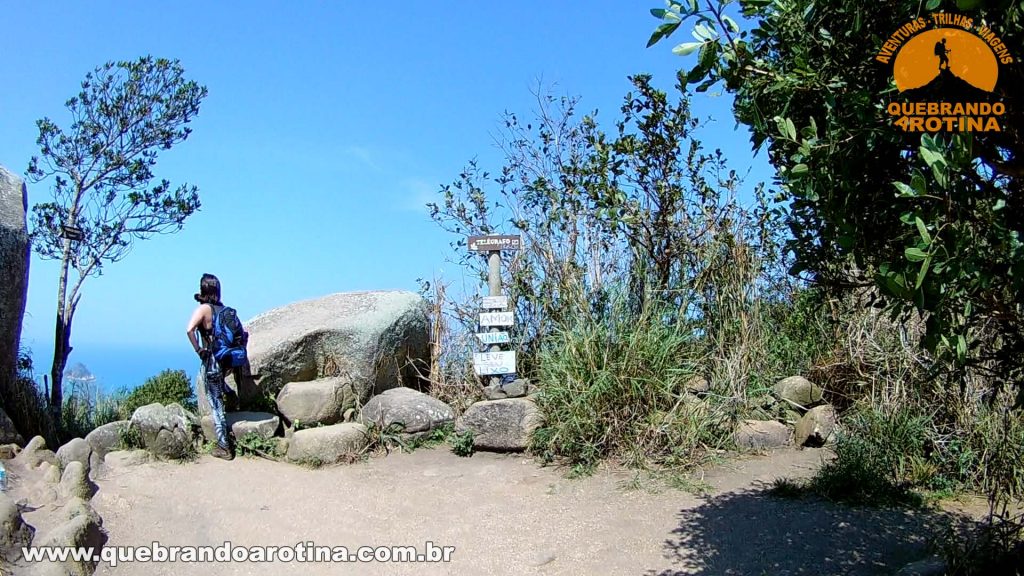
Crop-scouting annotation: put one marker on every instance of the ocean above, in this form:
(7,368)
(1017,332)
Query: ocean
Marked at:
(116,368)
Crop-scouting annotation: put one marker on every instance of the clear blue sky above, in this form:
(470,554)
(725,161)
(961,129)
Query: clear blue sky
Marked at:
(327,127)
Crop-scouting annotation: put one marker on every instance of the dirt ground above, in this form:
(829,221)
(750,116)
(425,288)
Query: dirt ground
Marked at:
(504,514)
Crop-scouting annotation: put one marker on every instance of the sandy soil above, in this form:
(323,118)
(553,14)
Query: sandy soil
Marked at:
(504,515)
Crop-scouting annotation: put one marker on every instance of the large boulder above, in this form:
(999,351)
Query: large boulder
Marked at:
(75,450)
(107,438)
(798,391)
(816,427)
(409,409)
(380,340)
(501,425)
(166,431)
(75,482)
(81,531)
(320,401)
(327,444)
(35,453)
(14,532)
(14,261)
(241,424)
(762,434)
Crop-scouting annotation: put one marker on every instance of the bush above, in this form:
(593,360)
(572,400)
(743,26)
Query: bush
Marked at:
(614,387)
(86,408)
(26,404)
(168,387)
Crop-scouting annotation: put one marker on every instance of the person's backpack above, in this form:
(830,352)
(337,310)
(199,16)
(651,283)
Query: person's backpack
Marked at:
(228,339)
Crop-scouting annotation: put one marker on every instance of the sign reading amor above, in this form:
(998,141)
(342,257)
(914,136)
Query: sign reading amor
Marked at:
(486,363)
(489,243)
(495,318)
(494,337)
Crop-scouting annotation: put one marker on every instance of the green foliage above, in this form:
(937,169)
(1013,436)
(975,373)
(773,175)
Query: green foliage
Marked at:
(167,387)
(102,169)
(86,408)
(26,404)
(130,438)
(615,387)
(462,443)
(933,222)
(255,444)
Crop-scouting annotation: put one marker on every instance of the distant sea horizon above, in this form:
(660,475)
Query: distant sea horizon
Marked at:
(122,367)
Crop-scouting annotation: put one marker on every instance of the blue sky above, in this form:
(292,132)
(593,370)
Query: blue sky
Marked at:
(327,127)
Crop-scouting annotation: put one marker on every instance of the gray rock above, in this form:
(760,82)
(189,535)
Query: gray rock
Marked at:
(761,434)
(816,427)
(14,532)
(501,425)
(242,423)
(8,433)
(798,391)
(321,401)
(75,482)
(35,453)
(14,261)
(379,339)
(76,507)
(107,438)
(327,444)
(126,458)
(166,431)
(75,450)
(8,451)
(517,388)
(82,531)
(412,410)
(933,566)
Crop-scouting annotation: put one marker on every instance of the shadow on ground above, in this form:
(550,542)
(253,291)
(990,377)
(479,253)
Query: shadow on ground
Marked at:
(754,532)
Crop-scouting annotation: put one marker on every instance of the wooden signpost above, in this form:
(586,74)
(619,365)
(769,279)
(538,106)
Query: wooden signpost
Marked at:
(494,361)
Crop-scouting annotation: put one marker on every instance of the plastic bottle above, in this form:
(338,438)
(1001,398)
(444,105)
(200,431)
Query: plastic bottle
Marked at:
(3,478)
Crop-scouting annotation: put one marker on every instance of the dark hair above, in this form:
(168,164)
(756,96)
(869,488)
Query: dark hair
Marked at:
(209,290)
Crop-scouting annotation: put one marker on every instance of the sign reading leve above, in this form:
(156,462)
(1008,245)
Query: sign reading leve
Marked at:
(495,318)
(492,302)
(494,337)
(488,243)
(487,363)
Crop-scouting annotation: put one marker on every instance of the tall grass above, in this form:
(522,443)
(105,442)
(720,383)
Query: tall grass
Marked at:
(613,387)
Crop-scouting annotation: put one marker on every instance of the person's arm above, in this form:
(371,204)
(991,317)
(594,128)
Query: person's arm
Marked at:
(197,320)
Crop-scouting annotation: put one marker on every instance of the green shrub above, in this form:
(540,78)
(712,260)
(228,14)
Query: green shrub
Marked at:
(26,403)
(254,444)
(613,386)
(462,443)
(168,387)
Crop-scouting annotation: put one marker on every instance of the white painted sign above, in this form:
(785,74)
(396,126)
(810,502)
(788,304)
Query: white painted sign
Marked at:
(494,337)
(495,318)
(491,302)
(486,363)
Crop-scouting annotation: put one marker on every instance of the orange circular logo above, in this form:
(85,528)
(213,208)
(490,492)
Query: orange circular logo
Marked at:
(944,52)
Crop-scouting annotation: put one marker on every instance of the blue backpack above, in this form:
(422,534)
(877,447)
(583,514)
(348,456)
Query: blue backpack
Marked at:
(228,339)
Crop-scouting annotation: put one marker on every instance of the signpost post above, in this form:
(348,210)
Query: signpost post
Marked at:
(494,359)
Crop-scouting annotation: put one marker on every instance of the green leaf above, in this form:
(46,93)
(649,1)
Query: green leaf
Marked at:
(730,24)
(1000,204)
(791,129)
(687,48)
(932,4)
(702,32)
(904,189)
(922,272)
(662,31)
(931,158)
(659,13)
(923,230)
(919,185)
(799,169)
(915,254)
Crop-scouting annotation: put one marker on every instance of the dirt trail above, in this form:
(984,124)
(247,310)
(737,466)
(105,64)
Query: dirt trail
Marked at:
(504,515)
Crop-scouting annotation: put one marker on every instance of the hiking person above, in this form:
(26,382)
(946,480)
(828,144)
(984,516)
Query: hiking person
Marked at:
(942,52)
(220,344)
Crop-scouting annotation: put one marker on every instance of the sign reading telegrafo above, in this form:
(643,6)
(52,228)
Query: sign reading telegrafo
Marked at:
(946,68)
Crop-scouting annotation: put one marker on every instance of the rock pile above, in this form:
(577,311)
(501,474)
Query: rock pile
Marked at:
(802,418)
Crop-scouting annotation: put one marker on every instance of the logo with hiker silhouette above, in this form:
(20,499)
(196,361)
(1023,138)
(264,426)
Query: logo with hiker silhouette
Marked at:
(946,68)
